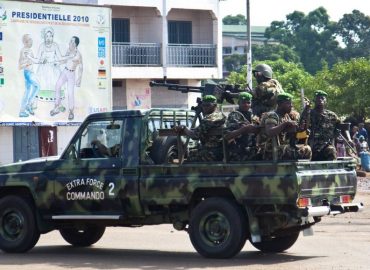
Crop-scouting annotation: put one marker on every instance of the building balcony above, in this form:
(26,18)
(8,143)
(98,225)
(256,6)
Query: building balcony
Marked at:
(191,55)
(136,54)
(149,54)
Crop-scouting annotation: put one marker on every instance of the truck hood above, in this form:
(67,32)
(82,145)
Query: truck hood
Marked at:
(34,160)
(32,165)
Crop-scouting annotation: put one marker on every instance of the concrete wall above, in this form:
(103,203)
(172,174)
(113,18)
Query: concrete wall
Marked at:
(202,25)
(145,24)
(64,135)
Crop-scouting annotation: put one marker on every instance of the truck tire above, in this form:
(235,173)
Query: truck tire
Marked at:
(82,238)
(18,228)
(217,228)
(164,150)
(277,244)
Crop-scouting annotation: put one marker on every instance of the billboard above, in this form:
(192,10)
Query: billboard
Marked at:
(55,63)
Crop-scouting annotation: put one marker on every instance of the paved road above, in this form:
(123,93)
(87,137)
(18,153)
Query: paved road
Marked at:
(341,242)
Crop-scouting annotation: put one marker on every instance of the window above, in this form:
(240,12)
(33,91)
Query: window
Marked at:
(120,30)
(99,139)
(179,32)
(226,50)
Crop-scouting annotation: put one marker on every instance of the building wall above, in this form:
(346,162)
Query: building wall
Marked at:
(64,134)
(201,24)
(145,24)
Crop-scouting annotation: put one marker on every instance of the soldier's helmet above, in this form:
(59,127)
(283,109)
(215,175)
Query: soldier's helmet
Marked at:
(266,70)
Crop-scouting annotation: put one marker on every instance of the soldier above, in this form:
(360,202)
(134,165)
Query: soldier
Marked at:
(277,135)
(213,121)
(265,93)
(240,131)
(323,125)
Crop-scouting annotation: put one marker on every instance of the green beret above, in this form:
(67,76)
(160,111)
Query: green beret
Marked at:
(245,96)
(209,98)
(320,93)
(284,97)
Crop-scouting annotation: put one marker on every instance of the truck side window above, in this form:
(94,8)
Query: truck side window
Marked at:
(100,139)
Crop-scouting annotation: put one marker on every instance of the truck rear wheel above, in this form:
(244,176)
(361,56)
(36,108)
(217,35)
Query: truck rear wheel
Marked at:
(18,228)
(277,244)
(217,228)
(82,238)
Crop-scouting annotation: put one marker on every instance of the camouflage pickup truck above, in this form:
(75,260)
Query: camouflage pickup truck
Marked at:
(138,180)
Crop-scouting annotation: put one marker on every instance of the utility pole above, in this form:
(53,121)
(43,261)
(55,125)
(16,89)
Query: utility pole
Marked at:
(249,47)
(164,38)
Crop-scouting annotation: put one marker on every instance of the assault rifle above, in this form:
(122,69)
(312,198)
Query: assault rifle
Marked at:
(221,91)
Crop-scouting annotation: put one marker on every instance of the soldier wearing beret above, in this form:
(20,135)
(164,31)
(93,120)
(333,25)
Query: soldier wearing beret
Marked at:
(240,131)
(210,144)
(277,129)
(323,126)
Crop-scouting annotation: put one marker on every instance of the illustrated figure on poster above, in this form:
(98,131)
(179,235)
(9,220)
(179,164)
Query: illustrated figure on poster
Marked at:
(48,70)
(32,86)
(137,101)
(72,75)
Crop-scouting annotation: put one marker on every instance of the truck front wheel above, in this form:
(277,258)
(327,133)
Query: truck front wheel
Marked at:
(82,238)
(217,228)
(18,230)
(277,244)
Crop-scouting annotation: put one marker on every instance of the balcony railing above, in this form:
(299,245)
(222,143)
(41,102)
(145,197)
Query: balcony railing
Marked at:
(191,55)
(149,54)
(136,54)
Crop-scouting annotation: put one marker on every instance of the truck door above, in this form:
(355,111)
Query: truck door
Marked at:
(89,179)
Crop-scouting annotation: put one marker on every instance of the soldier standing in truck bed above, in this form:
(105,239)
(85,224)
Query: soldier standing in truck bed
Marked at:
(240,131)
(210,143)
(323,125)
(265,93)
(277,131)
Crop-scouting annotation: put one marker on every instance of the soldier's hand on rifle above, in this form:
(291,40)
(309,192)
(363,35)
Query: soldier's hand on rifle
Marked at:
(290,126)
(179,129)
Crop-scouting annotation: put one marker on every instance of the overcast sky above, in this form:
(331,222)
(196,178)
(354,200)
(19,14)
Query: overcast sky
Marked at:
(263,12)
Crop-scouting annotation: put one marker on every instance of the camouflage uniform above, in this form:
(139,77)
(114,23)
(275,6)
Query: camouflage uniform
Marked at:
(264,96)
(323,132)
(284,149)
(243,147)
(211,145)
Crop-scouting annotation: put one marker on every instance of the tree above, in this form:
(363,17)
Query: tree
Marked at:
(274,52)
(234,20)
(353,30)
(311,36)
(347,85)
(234,62)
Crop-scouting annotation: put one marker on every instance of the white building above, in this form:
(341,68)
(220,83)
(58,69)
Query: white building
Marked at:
(181,40)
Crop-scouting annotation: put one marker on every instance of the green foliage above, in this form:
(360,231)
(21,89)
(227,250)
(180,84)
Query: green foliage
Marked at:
(353,30)
(347,84)
(234,62)
(311,36)
(234,20)
(274,52)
